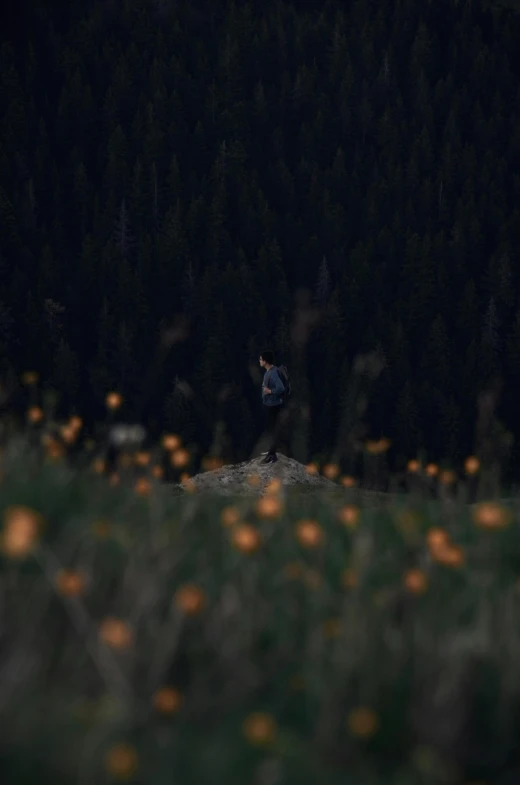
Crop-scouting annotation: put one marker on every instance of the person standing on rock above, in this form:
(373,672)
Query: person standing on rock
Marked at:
(273,390)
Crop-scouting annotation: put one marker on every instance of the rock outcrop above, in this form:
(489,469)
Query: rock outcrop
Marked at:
(251,478)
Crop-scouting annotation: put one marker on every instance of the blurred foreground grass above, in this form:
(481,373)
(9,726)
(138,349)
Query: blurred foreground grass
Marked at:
(156,638)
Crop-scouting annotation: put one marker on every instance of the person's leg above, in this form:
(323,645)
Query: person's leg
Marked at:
(274,414)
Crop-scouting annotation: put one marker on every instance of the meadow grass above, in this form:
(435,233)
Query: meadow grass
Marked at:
(151,634)
(153,637)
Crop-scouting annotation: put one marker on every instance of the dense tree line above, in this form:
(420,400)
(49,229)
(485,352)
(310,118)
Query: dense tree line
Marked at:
(173,173)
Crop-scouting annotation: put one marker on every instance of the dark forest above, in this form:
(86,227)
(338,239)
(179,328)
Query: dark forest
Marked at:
(177,177)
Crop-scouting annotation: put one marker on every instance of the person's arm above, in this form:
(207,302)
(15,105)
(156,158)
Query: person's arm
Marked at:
(276,386)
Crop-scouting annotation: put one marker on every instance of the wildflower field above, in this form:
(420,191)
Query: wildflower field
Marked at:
(152,637)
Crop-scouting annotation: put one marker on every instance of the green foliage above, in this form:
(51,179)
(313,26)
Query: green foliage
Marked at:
(307,632)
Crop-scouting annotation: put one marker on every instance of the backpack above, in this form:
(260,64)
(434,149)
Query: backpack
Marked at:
(284,376)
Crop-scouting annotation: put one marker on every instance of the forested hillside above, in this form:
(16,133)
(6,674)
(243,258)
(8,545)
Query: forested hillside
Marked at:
(173,173)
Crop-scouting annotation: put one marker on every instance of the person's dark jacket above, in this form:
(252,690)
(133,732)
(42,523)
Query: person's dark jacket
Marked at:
(274,383)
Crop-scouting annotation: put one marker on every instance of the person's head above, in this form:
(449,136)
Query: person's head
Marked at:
(267,360)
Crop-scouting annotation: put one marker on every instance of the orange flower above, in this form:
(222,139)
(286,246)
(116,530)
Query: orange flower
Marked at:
(332,628)
(349,515)
(415,581)
(190,599)
(259,728)
(121,762)
(309,534)
(54,449)
(189,485)
(180,458)
(273,486)
(22,526)
(348,481)
(99,465)
(377,446)
(246,539)
(30,378)
(311,468)
(447,477)
(143,486)
(167,700)
(101,529)
(268,507)
(34,414)
(142,458)
(230,516)
(349,578)
(297,682)
(75,422)
(70,583)
(331,470)
(124,460)
(113,400)
(472,465)
(432,470)
(363,722)
(450,556)
(157,472)
(437,539)
(491,515)
(413,466)
(408,522)
(293,571)
(171,441)
(68,434)
(116,633)
(312,579)
(212,462)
